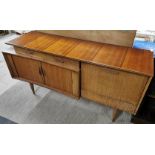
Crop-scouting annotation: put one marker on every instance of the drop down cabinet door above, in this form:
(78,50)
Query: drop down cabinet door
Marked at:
(118,89)
(52,76)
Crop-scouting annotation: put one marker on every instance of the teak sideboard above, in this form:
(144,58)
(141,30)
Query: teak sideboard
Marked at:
(112,75)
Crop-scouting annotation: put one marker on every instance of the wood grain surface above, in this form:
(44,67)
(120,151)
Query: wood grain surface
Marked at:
(58,78)
(86,51)
(109,85)
(139,60)
(124,58)
(51,59)
(44,74)
(115,37)
(110,55)
(26,38)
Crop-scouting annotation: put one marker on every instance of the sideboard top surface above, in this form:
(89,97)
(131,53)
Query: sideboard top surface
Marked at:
(124,58)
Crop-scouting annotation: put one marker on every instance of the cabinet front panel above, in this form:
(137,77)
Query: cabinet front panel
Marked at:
(51,59)
(112,84)
(28,69)
(57,77)
(44,74)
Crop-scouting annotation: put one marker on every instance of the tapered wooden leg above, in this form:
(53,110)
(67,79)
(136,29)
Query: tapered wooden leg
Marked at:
(32,88)
(115,114)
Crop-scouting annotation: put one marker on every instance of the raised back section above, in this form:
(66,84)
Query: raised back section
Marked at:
(115,37)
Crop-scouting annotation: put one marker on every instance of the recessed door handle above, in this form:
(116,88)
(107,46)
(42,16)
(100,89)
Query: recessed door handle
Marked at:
(40,71)
(43,72)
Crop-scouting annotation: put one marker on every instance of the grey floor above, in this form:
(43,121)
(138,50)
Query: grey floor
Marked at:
(18,104)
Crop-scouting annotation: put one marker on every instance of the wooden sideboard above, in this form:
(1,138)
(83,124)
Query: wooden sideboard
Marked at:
(112,75)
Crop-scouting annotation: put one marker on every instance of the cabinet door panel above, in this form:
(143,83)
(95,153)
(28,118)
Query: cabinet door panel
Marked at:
(48,75)
(112,85)
(28,69)
(57,77)
(24,68)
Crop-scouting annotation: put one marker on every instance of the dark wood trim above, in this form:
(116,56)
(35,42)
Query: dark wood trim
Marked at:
(32,88)
(116,113)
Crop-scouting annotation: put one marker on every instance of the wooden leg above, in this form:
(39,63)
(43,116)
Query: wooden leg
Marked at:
(115,114)
(32,87)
